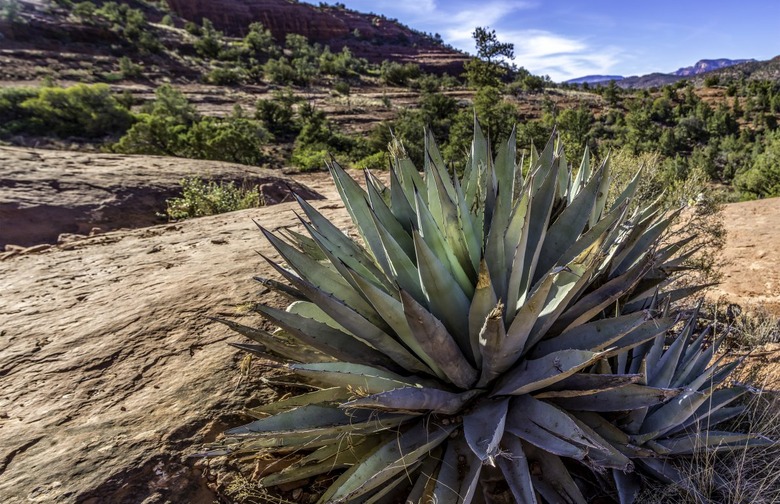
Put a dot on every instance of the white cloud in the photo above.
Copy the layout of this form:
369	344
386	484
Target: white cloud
560	57
540	51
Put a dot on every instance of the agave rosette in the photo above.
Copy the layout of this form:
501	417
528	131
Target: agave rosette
491	332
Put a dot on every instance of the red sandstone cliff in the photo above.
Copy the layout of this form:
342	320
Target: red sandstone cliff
368	36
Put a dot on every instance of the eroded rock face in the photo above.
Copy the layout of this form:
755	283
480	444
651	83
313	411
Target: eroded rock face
112	372
46	193
368	36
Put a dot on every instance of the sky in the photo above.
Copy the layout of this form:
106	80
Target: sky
566	39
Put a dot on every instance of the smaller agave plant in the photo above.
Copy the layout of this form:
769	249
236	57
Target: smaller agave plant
494	336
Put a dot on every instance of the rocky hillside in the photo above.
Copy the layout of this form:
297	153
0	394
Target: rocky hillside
370	36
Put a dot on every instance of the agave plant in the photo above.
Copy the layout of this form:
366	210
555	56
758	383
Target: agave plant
489	334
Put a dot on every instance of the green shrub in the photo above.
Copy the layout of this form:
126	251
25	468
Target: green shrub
233	139
762	179
209	197
170	126
309	158
278	114
128	69
225	76
397	74
342	88
85	111
84	10
376	161
279	71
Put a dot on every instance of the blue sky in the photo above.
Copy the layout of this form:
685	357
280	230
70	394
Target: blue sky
570	38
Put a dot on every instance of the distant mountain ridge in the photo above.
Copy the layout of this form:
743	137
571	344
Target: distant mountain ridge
658	78
708	65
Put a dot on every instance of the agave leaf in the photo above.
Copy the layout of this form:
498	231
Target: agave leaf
566	286
291	293
275	343
340	457
495	256
566	229
340	245
631	255
392	310
324	338
388	220
400	205
535	374
435	240
604	227
505	169
661	374
591	304
671	414
436	341
414	399
423	485
483	428
356	202
629	485
593	336
322	277
471	233
311	420
450	226
400	266
514	466
515	242
553	481
260	351
601	197
410	178
628	193
718	400
629	397
433	156
492	338
357	376
523	322
329	397
481	305
390	493
536	225
458	475
386	461
303	242
647	331
668	473
711	441
585	384
356	324
673	296
582	177
709	419
444	296
549	428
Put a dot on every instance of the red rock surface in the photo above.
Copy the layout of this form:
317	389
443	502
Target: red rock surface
379	38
